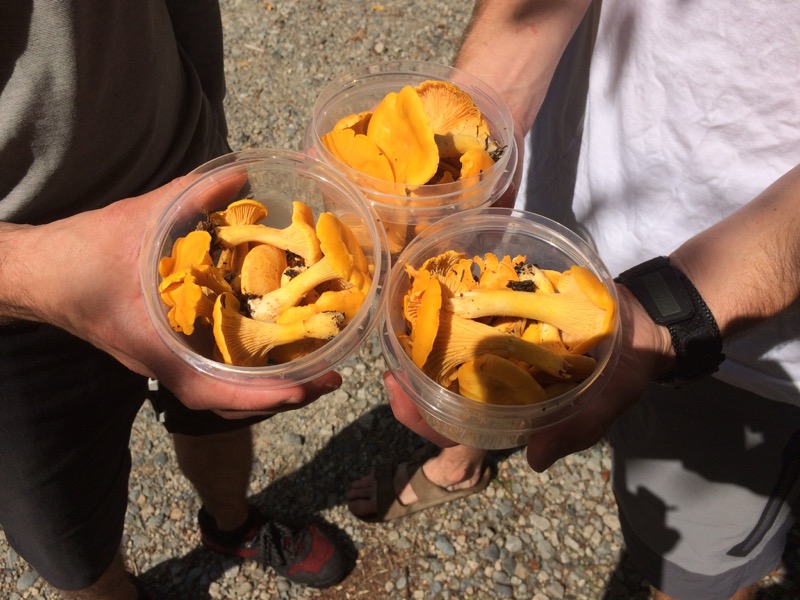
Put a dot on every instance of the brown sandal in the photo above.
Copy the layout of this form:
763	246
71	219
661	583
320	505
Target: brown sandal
428	493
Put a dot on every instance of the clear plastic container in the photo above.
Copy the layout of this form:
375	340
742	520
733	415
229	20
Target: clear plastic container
407	210
276	178
503	232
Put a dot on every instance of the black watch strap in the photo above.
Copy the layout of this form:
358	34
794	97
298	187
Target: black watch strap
672	301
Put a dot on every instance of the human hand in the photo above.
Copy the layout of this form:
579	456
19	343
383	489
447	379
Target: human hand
406	412
645	352
82	274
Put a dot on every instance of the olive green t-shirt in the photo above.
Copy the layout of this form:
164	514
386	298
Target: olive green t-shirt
104	100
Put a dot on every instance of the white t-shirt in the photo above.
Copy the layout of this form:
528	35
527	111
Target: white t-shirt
693	108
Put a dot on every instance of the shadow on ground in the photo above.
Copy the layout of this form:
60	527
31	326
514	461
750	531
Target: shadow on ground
321	484
318	485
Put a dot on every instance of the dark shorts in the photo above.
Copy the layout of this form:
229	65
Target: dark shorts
67	412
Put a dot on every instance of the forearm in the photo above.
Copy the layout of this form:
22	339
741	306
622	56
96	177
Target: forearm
747	266
61	272
16	302
515	45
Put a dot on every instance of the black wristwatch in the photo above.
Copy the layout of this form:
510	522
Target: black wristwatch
672	301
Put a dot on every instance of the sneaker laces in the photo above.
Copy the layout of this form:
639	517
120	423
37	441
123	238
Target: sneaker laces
279	544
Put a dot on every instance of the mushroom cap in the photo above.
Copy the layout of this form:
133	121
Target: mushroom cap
401	129
452	269
262	269
303	221
240	212
442	263
496	380
581	282
359	152
412	298
426	326
495	273
474	162
334	247
191	249
187	300
455	119
353	244
190	294
342	251
358	122
205	276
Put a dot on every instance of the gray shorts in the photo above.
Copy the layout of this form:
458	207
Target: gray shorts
705	478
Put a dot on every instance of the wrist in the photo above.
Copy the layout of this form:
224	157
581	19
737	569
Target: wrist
644	336
14	262
672	302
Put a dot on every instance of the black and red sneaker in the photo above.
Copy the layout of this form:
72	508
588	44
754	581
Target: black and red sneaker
301	553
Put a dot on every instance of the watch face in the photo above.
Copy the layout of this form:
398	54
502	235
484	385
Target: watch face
671	300
669	307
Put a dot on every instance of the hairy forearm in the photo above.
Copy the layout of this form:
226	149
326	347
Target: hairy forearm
76	273
16	302
515	45
747	266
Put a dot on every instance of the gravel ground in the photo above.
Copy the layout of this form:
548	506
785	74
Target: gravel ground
538	536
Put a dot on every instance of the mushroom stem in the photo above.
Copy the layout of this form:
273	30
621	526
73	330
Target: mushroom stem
460	340
246	342
299	237
341	260
269	306
582	309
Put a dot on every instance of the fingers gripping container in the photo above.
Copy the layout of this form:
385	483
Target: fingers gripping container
502	232
275	178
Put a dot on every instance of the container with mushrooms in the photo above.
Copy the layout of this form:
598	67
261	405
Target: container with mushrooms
267	294
420	140
503	330
498	322
265	269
